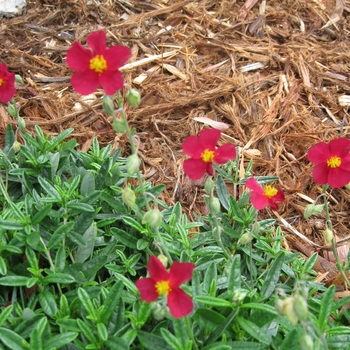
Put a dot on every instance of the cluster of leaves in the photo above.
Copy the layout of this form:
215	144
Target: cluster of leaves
71	252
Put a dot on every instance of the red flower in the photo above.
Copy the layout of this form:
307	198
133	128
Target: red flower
262	197
7	84
162	282
203	152
332	162
98	66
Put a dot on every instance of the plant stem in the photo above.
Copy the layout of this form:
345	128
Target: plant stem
190	333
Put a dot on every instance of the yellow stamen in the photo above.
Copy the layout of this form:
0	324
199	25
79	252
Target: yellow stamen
334	162
98	64
207	156
1	81
163	288
270	191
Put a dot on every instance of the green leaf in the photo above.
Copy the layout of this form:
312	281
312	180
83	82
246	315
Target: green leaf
48	303
125	238
59	340
213	301
59	138
41	214
82	207
309	264
36	340
48	188
87	186
102	331
59	234
5	313
210	275
11	225
290	341
12	340
208	319
234	277
86	301
84	252
326	307
3	266
111	301
218	346
9	140
144	313
221	190
152	342
339	342
14	281
272	276
253	330
58	277
257	306
171	339
134	224
88	331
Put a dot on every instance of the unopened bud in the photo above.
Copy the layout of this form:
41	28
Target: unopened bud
16	146
129	197
12	110
21	123
214	204
300	308
209	185
163	259
18	79
328	235
288	310
312	209
133	164
133	97
245	238
108	105
279	307
153	218
255	228
306	342
119	126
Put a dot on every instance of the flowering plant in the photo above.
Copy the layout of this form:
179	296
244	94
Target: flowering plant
7	84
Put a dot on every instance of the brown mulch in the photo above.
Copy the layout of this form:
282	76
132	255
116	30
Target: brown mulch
276	72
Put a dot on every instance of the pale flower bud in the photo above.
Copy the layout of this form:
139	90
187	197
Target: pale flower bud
328	235
163	259
133	164
300	308
108	105
18	79
288	310
209	185
119	126
214	204
133	97
21	122
306	342
245	238
153	218
129	197
16	146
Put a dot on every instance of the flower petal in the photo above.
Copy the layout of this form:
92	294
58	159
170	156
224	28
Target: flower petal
320	173
319	153
340	147
116	56
7	88
111	81
180	303
338	177
209	138
180	273
259	200
78	57
157	270
252	184
147	289
193	147
97	41
85	82
225	153
195	168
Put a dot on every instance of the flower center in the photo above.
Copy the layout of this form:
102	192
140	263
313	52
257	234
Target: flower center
98	64
163	288
1	81
270	191
207	156
334	162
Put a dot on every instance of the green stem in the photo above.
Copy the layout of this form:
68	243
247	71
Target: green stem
190	333
333	242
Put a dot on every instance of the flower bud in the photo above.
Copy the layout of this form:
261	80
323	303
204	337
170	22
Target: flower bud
306	342
328	235
300	308
153	218
288	310
12	110
21	122
16	146
133	164
255	229
108	105
133	97
18	79
119	126
129	197
312	209
245	238
163	259
279	307
214	204
209	185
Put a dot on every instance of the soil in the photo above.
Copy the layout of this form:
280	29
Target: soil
275	72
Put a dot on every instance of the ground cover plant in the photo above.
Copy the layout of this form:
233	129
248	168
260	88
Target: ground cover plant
92	258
